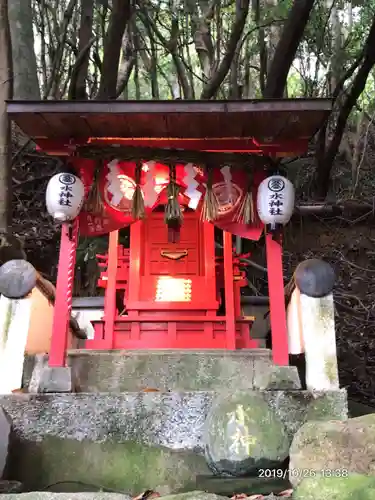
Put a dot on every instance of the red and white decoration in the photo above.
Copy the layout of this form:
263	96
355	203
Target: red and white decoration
117	185
64	197
192	185
230	187
275	201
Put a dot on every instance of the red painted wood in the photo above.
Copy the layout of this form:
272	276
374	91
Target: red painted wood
135	261
110	292
189	340
229	292
186	325
277	301
243	145
233	145
171	323
172	306
122	268
148	262
178	318
209	262
64	294
173	335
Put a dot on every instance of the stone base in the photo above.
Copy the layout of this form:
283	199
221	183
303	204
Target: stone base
132	441
55	379
228	487
171	370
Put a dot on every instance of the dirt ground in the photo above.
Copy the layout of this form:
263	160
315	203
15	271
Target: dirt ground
350	248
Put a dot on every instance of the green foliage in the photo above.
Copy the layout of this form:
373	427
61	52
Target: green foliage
171	40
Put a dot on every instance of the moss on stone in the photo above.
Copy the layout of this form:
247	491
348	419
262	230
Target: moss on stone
48	495
130	467
330	368
335	446
326	406
278	378
195	495
354	487
7	322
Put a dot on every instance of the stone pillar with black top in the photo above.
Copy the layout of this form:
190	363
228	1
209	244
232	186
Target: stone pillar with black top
314	281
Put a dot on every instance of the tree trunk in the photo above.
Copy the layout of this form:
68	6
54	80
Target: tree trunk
6	90
327	156
336	63
78	87
120	16
261	45
274	33
129	55
25	83
212	87
171	46
287	47
201	33
52	90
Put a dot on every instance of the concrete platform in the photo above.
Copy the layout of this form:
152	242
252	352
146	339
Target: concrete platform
132	441
171	370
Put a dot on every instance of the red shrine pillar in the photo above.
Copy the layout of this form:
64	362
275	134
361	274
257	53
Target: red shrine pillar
64	294
110	292
274	252
230	321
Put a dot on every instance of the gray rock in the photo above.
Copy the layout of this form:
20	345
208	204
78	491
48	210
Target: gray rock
47	495
195	495
5	432
334	448
32	371
279	378
243	434
354	487
56	379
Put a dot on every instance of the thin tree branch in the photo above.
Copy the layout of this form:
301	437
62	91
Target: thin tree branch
211	88
60	48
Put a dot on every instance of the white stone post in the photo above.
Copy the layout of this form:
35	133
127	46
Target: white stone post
311	324
14	329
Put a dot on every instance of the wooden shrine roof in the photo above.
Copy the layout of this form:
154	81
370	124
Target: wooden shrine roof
265	121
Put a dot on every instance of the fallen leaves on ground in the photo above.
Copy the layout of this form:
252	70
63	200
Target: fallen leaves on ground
147	495
243	496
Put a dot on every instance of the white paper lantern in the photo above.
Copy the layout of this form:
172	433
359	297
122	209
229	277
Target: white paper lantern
64	196
275	200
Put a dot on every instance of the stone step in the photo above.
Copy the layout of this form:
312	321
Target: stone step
138	441
229	486
172	370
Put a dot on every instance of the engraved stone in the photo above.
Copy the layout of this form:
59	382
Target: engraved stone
243	435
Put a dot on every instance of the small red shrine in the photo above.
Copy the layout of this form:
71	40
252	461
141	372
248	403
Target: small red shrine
155	154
